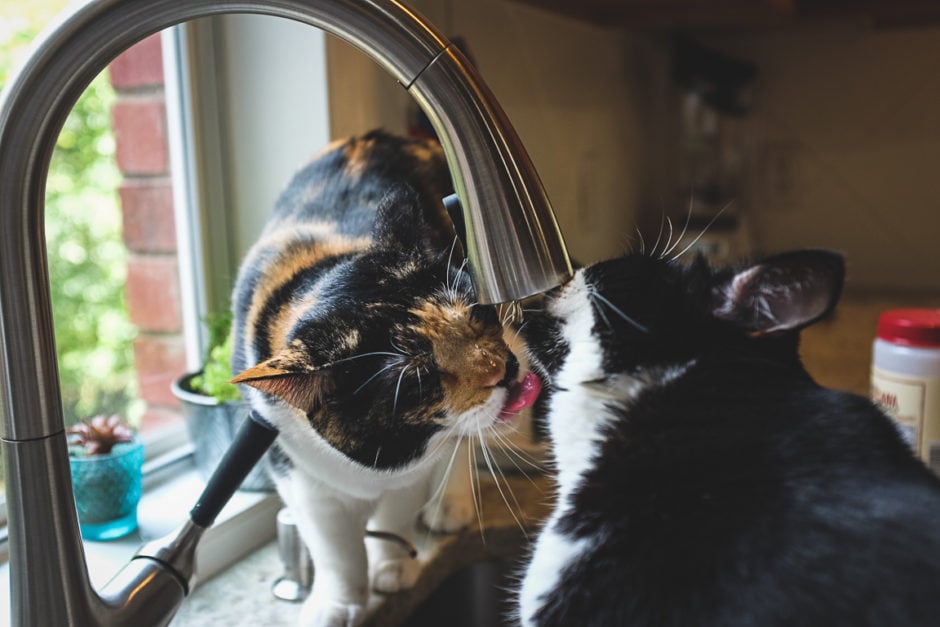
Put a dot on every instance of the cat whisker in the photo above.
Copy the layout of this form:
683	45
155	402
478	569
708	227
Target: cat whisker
453	288
599	309
514	451
401	351
516	308
510	312
398	389
344	359
704	230
688	218
450	257
496	473
518	330
662	223
620	313
370	379
447	470
444	477
449	432
668	238
474	487
504	313
642	241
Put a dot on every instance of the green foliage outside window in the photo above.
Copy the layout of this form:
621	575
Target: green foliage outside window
87	257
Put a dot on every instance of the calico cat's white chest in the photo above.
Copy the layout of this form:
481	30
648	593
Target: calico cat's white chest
315	460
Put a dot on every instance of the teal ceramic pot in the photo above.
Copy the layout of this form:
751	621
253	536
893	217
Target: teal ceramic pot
107	490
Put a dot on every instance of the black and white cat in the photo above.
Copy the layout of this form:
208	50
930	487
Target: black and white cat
704	478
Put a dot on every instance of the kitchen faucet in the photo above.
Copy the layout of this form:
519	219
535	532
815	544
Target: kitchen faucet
513	243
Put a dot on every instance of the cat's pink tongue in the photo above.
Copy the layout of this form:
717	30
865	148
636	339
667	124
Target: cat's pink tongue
522	394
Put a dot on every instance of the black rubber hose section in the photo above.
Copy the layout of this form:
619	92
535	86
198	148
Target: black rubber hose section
250	443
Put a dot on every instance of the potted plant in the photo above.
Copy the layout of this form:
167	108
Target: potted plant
106	458
213	408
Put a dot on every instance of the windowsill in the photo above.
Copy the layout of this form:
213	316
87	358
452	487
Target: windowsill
241	548
246	523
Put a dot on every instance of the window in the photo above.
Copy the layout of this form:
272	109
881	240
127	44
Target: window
165	246
87	258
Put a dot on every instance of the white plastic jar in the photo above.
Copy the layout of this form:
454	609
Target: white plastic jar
905	377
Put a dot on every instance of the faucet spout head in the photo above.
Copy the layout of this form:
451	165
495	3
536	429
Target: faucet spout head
514	245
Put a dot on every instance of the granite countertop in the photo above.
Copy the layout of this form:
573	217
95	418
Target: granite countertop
242	595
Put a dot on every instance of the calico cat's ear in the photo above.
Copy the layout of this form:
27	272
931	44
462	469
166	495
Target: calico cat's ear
399	221
291	379
785	292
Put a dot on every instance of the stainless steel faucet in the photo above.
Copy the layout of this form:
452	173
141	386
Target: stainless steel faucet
513	243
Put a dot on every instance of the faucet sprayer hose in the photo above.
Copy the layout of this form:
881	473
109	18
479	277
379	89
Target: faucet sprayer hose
252	440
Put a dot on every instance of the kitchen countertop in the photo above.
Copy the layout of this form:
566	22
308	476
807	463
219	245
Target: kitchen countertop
837	351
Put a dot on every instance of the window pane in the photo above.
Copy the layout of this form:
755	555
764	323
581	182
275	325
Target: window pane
110	237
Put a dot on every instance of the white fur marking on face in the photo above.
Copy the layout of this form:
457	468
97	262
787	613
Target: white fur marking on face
576	418
579	414
576	421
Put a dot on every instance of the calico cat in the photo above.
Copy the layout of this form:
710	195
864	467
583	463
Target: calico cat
358	337
704	478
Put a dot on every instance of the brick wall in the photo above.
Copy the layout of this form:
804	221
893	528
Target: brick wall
153	292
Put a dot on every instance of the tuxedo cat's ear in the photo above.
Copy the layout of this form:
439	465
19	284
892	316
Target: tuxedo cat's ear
785	292
291	379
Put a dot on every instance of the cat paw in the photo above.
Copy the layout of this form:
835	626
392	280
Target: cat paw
448	515
395	575
330	615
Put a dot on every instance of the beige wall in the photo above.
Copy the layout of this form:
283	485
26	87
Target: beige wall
570	90
844	143
847	138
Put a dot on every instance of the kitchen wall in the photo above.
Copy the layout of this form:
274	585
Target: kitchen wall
575	93
842	146
846	139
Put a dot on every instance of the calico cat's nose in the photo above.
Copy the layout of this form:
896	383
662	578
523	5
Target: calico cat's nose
512	370
495	374
496	370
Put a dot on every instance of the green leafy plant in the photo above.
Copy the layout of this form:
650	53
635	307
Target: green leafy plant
217	370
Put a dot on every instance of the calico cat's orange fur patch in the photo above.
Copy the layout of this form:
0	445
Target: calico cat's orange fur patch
357	156
296	256
471	356
426	152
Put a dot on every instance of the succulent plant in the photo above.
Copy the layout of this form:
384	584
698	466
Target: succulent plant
98	435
